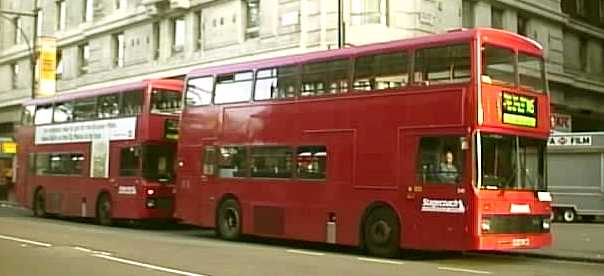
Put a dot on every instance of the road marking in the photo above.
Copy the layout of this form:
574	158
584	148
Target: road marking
25	241
150	266
381	261
464	270
84	249
304	252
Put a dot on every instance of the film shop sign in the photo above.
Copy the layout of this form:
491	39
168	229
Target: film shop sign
115	129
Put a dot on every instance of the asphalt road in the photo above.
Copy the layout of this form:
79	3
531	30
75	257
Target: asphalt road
32	246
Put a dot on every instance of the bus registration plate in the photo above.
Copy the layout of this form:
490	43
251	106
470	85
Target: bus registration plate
520	242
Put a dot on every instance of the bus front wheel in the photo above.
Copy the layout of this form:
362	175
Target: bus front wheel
39	206
381	233
229	220
103	210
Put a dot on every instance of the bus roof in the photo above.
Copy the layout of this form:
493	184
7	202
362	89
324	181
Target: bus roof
133	86
513	39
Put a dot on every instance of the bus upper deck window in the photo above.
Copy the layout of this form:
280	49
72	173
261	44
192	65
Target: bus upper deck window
498	66
132	103
443	64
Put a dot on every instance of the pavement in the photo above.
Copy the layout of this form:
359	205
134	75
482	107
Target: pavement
582	242
572	242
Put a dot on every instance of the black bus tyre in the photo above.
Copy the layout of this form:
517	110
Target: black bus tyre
381	233
569	215
229	220
39	204
103	210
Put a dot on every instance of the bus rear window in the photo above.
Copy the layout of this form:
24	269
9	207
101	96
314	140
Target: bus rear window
165	101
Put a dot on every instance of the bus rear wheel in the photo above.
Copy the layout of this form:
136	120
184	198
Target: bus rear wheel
381	233
103	210
39	206
229	220
569	215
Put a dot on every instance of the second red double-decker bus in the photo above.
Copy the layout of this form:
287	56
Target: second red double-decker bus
432	143
104	153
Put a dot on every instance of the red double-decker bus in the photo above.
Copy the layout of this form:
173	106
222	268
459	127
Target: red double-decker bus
433	143
104	153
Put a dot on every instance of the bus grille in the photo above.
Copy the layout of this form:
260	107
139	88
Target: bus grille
516	224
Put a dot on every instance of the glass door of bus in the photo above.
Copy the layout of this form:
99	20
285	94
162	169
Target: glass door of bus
440	199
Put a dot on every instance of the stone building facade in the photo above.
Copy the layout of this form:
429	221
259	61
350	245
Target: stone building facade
102	42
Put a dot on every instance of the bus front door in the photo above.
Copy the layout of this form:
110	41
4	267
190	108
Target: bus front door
440	199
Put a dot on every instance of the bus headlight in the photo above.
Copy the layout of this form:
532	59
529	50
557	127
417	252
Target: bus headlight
546	224
485	225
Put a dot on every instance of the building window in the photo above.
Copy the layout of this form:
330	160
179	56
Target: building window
368	12
15	75
84	57
583	56
467	16
601	11
252	18
496	18
178	34
88	10
121	4
199	30
59	64
580	7
522	25
119	49
156	40
40	21
18	29
61	15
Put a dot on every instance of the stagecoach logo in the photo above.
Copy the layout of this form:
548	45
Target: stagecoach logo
443	205
126	190
115	129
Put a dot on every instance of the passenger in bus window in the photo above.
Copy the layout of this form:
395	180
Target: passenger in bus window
448	171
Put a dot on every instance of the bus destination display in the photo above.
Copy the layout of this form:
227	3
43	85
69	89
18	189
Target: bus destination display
519	110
